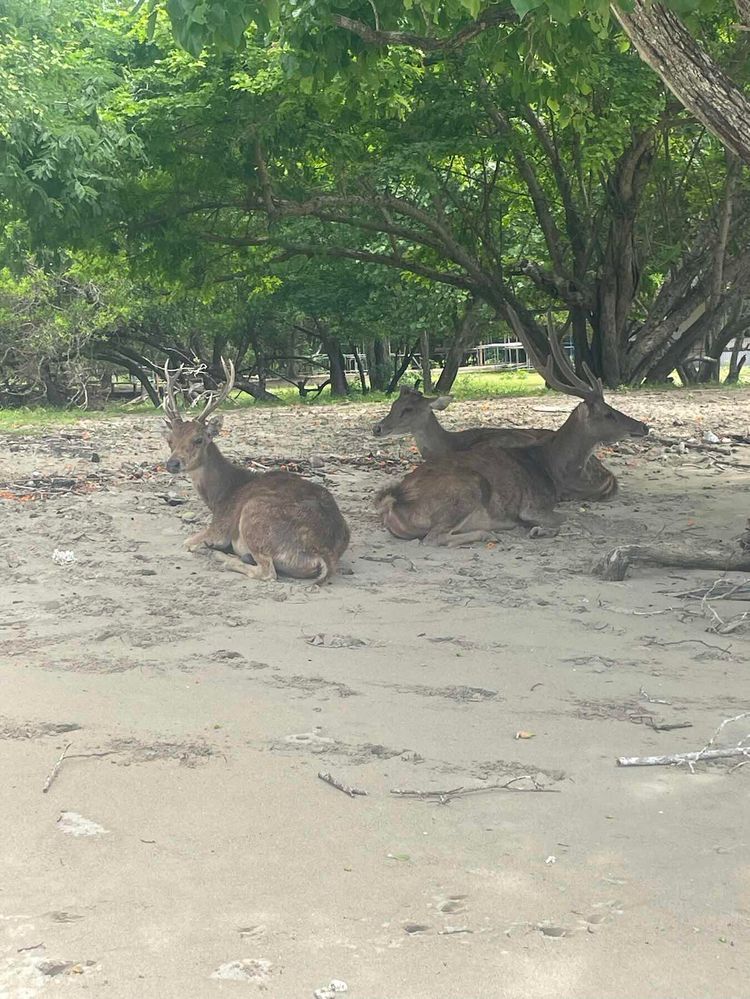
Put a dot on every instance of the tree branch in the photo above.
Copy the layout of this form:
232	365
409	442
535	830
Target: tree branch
375	36
538	197
698	82
574	223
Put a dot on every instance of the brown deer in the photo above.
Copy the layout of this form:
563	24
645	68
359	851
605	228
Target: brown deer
468	495
275	522
414	413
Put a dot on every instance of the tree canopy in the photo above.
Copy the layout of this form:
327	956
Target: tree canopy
301	181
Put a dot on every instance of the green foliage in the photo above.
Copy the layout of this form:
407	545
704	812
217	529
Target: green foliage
310	25
62	147
222	198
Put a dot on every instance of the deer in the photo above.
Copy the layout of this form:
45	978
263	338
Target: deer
467	496
414	413
262	524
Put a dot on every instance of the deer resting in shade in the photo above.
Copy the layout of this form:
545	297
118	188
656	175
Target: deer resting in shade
467	495
271	523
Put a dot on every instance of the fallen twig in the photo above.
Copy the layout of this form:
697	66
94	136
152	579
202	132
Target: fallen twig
666	726
444	797
731	591
651	700
688	641
615	564
390	560
55	770
353	792
73	756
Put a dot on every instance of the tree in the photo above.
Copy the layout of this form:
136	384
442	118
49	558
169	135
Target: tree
443	26
62	145
559	191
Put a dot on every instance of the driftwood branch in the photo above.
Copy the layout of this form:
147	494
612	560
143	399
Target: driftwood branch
73	756
615	564
54	771
353	792
665	761
707	753
444	797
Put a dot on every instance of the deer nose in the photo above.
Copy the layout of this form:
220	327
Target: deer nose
377	430
173	465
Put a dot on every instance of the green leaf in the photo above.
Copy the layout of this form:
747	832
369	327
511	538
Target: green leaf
522	7
473	6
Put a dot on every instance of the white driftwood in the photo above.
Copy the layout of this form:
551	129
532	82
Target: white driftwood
696	757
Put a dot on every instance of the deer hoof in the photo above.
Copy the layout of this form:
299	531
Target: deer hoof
543	532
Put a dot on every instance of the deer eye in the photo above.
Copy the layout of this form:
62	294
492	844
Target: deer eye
197	440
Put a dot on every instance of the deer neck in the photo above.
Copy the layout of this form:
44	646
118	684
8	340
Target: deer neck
566	453
217	478
432	438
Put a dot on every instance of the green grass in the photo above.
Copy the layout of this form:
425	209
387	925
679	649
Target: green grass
479	385
482	385
34	419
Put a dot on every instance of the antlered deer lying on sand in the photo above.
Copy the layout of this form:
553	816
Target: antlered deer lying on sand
414	413
275	522
467	495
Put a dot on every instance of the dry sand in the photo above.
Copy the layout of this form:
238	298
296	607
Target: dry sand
193	852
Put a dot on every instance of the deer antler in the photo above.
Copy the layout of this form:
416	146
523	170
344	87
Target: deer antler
573	385
568	382
216	400
169	403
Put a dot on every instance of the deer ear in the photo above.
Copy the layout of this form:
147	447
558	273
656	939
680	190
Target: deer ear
442	402
213	427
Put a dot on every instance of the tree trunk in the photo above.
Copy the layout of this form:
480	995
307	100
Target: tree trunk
424	346
291	367
617	283
464	334
377	364
257	390
337	368
399	369
360	368
581	348
665	44
261	366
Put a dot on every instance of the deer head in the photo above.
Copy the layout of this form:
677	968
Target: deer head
410	412
189	440
594	419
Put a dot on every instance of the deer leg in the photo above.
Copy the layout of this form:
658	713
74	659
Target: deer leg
477	526
540	518
208	537
262	569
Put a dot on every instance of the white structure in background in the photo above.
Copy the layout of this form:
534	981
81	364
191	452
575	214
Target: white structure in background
505	355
